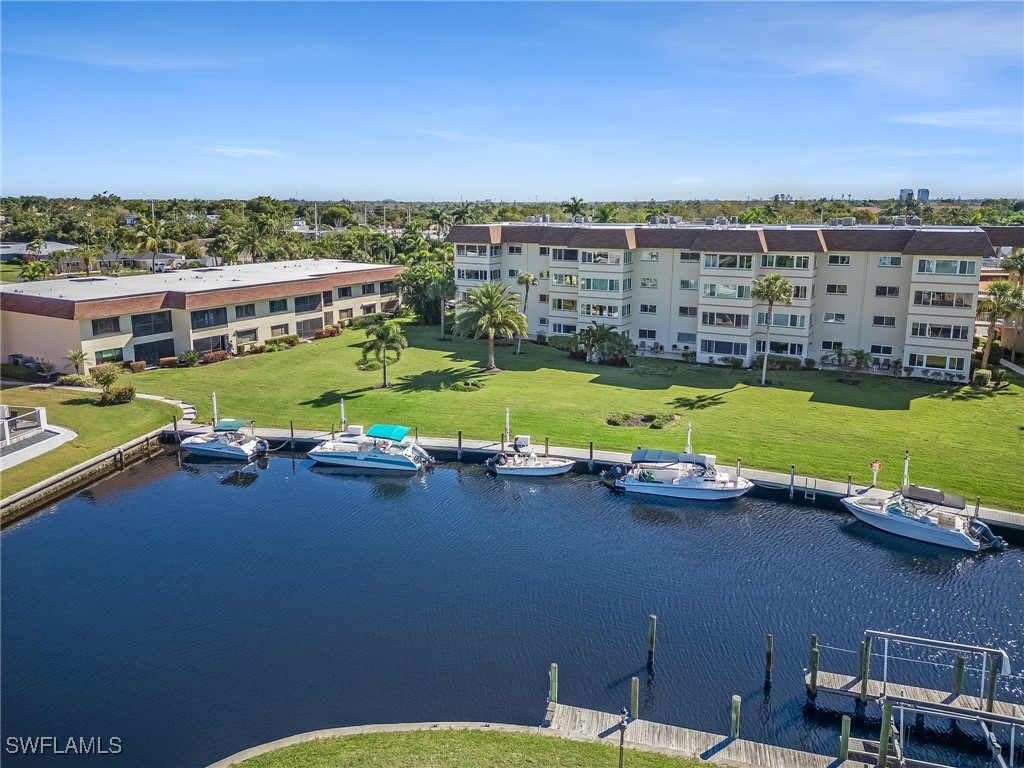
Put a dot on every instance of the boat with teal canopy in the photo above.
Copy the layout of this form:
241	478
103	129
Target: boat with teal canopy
388	432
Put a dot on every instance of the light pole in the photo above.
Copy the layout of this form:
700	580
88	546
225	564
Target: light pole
623	715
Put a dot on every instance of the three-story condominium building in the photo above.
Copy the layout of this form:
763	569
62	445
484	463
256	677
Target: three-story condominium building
148	317
905	294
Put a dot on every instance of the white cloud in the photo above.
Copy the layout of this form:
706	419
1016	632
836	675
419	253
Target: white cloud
992	119
241	151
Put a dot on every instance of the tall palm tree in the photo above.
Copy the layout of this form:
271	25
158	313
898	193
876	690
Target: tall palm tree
1014	264
1003	300
385	339
151	235
525	279
463	213
491	310
597	340
440	218
773	289
604	213
253	240
575	206
89	255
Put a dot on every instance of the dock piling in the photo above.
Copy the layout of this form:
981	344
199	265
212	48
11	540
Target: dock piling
865	669
844	739
769	653
417	439
883	739
634	698
332	430
590	465
812	685
739	467
460	446
553	684
792	479
734	724
652	634
177	438
977	505
547	446
291	443
990	682
849	485
958	674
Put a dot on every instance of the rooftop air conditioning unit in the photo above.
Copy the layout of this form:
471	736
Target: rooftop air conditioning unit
677	219
915	221
531	219
734	219
547	218
709	222
652	219
722	220
588	219
849	221
900	221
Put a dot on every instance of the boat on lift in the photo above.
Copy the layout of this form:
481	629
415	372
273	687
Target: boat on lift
383	447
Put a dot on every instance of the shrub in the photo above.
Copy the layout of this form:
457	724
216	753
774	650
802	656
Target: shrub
105	375
469	385
188	358
167	362
564	343
578	354
616	419
810	363
542	338
74	380
215	356
292	341
733	362
19	372
370	365
367	320
997	376
982	377
777	363
138	366
321	334
664	420
117	395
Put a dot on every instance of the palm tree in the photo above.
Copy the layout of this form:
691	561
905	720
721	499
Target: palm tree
525	279
1003	300
491	310
1014	264
77	358
440	218
604	213
150	235
254	241
463	213
773	289
90	255
597	340
385	338
575	206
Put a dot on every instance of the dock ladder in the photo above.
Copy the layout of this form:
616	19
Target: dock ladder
810	491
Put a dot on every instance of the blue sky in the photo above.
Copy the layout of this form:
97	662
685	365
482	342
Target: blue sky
512	101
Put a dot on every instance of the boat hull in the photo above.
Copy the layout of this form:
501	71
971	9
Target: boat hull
697	493
548	470
365	460
213	450
909	529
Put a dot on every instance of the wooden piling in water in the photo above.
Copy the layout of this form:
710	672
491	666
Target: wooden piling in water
769	653
865	669
958	674
739	466
634	698
883	738
547	446
177	439
844	739
734	724
990	682
291	443
553	683
849	485
590	465
812	686
459	455
792	479
652	635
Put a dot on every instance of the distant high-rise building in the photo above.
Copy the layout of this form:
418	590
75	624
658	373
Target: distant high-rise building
922	195
905	193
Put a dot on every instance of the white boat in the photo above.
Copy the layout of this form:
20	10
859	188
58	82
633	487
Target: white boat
653	472
226	442
925	514
523	461
383	447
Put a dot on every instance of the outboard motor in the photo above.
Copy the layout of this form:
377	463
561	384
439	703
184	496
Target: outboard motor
422	454
983	532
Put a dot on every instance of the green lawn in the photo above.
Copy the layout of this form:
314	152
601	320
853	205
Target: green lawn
99	429
962	440
457	749
9	273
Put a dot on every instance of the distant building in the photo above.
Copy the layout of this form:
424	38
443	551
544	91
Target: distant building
130	220
923	195
905	193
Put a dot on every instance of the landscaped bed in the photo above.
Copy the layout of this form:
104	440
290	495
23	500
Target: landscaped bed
962	439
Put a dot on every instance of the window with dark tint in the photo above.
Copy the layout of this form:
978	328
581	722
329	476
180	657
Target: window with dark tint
245	310
307	303
106	325
152	351
109	356
150	324
328	299
246	337
345	292
344	314
279	330
278	305
369	309
388	286
210	344
368	288
209	318
306	328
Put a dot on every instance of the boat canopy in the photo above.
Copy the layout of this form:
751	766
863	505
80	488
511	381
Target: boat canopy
232	425
656	456
388	432
933	496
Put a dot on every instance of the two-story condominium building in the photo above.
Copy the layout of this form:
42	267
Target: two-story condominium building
904	294
148	317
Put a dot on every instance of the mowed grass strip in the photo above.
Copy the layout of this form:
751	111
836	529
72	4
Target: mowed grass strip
962	440
457	749
99	429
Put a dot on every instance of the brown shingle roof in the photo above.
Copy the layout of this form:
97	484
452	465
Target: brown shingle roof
885	240
651	237
730	241
924	243
474	234
1005	237
798	240
518	233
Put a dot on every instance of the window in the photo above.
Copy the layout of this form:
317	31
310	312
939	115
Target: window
728	261
542	298
568	280
711	346
887	291
511	273
495	275
720	291
626	309
648	309
306	328
946	267
935	361
248	336
281	330
209	318
790	348
150	324
686	338
106	325
627	257
368	309
368	289
387	286
471	274
886	321
344	292
328	319
563	305
542	321
838	260
944	299
545	251
881	349
833	346
345	314
598	284
328	299
307	303
599	310
515	250
110	356
799	291
648	282
151	351
649	256
933	331
890	261
785	261
564	254
279	305
563	328
598	257
210	344
689	256
687	311
471	250
627	284
836	288
782	320
245	310
543	275
834	317
725	319
687	285
646	333
495	250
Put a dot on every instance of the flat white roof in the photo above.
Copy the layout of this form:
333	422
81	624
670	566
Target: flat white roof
188	280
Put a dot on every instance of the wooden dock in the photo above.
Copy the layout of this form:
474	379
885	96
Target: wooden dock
590	725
